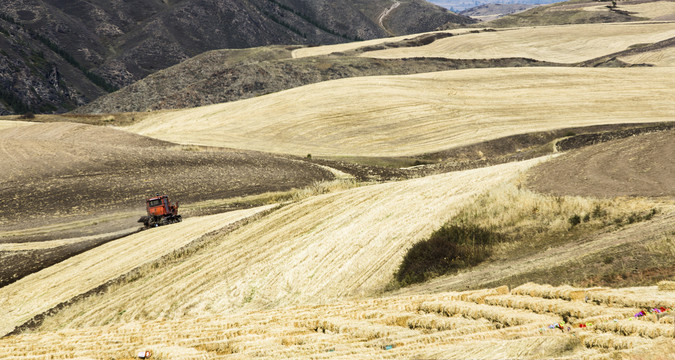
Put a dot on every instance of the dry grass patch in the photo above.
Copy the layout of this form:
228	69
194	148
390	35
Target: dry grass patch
563	44
408	115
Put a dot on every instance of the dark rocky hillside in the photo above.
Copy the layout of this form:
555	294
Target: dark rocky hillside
100	45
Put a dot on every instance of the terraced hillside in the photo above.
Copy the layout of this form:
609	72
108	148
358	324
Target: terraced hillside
406	115
231	75
528	322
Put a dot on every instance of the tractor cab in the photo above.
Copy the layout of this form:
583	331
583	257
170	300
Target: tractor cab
160	212
158	206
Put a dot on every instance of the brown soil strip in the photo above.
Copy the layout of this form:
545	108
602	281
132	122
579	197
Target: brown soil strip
640	165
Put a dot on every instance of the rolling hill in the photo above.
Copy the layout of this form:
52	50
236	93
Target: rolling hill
416	114
587	12
563	44
230	75
328	247
302	206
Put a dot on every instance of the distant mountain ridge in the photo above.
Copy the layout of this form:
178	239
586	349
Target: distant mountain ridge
98	45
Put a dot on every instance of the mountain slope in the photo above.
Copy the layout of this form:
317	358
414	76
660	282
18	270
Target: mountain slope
123	41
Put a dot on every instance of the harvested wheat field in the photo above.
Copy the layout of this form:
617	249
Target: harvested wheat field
338	48
528	322
653	10
562	44
8	124
92	180
640	165
663	57
57	284
407	115
333	246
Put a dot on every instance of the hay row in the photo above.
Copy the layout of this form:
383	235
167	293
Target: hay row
640	299
479	296
611	341
666	285
501	315
562	308
634	327
564	292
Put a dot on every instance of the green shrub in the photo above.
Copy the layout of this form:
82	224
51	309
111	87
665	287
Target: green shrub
599	212
574	220
450	248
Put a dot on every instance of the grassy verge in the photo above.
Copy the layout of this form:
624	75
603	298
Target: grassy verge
511	222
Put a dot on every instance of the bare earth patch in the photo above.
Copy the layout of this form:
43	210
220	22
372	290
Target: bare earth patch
641	165
93	180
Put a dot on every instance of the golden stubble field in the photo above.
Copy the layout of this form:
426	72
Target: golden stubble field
527	322
407	115
334	246
563	43
41	291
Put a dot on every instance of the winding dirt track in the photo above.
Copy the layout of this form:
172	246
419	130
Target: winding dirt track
386	12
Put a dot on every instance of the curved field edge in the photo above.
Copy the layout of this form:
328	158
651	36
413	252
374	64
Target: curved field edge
41	291
561	44
416	114
328	247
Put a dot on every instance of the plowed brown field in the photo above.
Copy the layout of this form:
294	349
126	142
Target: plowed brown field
61	180
641	165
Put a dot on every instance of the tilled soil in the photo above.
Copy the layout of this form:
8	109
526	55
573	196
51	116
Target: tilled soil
63	172
640	165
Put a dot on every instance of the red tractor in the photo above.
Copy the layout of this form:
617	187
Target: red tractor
160	212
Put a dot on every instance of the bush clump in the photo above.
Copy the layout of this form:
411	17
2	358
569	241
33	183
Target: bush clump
450	248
